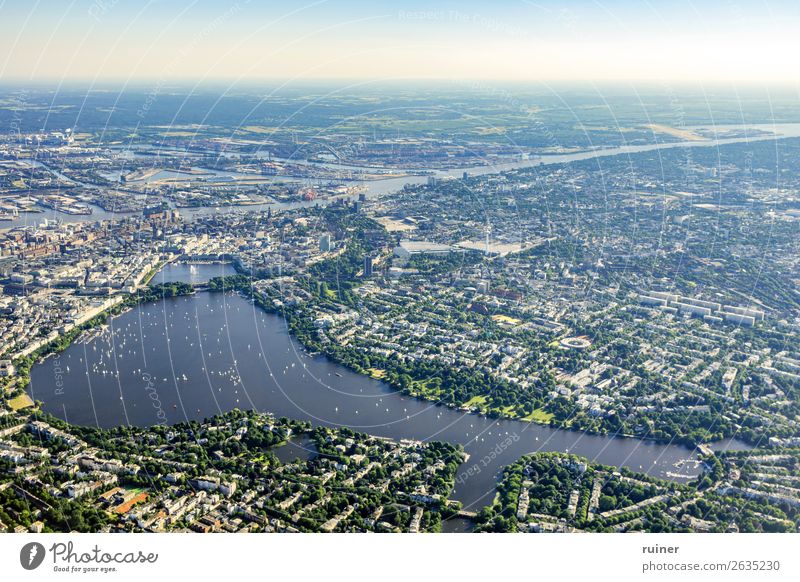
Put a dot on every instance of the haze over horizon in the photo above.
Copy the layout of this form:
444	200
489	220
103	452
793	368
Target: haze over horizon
444	40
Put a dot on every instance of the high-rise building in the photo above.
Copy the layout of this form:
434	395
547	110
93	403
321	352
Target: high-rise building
367	266
325	243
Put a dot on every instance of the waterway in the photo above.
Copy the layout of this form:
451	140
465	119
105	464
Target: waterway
377	188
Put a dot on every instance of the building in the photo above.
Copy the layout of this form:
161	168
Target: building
408	248
709	310
325	243
6	368
367	266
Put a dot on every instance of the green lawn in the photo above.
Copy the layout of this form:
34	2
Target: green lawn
539	416
509	411
422	389
20	402
479	401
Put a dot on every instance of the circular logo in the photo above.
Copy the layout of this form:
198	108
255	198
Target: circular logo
31	555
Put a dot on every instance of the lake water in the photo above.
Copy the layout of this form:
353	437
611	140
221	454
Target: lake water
194	273
301	447
193	357
457	525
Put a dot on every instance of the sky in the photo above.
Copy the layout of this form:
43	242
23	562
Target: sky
515	40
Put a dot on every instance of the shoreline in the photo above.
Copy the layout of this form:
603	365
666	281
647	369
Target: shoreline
124	307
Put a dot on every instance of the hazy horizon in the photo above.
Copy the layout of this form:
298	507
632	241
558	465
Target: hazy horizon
509	41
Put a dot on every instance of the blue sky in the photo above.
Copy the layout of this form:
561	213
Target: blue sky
442	39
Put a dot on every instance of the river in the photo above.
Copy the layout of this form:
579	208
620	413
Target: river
377	188
211	352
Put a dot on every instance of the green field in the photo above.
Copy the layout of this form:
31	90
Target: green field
479	401
539	416
20	402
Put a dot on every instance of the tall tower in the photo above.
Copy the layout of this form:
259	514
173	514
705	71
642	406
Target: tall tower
325	243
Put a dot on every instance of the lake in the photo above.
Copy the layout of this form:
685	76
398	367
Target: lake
192	357
194	273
